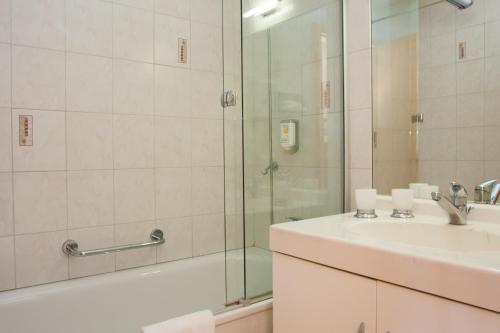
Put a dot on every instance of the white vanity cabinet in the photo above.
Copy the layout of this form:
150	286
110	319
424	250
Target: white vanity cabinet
308	297
408	311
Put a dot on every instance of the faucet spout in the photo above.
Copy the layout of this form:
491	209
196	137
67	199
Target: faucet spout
455	205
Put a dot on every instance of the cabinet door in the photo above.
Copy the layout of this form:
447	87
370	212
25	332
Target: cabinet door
401	310
308	297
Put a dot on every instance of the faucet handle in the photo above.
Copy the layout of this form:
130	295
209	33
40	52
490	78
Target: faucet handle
457	190
458	194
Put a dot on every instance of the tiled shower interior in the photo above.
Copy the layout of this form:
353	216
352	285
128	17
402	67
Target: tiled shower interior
125	138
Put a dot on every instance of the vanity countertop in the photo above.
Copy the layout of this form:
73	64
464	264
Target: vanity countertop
424	253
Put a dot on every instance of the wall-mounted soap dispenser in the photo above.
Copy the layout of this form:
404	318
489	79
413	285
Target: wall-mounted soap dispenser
289	135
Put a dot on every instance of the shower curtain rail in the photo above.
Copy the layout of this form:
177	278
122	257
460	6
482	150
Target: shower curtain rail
70	247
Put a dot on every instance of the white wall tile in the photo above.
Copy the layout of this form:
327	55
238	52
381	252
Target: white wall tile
358	20
173	96
38	78
173	192
133	31
179	239
444	144
39	23
470	144
443	49
444	80
172	142
207	190
491	103
492	151
7	265
206	46
92	238
492	73
48	151
177	8
89	140
5	72
207	142
90	198
361	139
492	42
206	88
89	25
6	204
133	90
5	21
470	173
5	140
492	8
208	234
207	11
134	233
134	195
146	4
444	112
39	258
360	80
168	30
89	83
470	110
133	142
40	202
470	76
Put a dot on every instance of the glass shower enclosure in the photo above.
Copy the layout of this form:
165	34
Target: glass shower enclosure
284	158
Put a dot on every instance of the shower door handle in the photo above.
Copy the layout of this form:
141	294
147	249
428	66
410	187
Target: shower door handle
271	167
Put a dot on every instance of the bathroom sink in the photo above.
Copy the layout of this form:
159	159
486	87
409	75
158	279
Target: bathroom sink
433	235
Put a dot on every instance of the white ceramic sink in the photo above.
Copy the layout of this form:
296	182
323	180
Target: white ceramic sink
424	253
434	235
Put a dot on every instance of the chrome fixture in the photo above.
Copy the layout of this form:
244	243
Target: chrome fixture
455	205
461	4
488	192
70	247
272	167
365	214
402	214
228	98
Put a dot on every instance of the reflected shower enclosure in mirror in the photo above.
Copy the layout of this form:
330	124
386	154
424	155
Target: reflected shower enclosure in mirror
436	93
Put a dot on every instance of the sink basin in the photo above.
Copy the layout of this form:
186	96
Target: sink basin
439	236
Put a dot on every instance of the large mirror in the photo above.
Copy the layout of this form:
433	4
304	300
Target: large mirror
436	94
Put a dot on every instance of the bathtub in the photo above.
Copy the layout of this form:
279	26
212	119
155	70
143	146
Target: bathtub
125	301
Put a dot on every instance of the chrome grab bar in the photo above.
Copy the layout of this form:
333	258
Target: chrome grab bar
70	247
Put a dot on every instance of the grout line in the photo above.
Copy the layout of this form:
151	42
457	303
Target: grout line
66	125
113	81
12	149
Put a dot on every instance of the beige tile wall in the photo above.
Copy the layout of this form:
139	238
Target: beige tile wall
126	139
359	97
460	103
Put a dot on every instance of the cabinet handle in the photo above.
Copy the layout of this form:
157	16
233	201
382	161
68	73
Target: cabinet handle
361	328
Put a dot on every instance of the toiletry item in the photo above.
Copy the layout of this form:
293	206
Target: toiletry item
402	203
419	189
366	200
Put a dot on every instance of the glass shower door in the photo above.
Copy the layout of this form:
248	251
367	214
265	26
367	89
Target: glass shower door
292	121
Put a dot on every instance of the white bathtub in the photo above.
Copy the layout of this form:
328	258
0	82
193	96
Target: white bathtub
125	301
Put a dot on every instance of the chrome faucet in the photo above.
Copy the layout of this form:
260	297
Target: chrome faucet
455	205
488	192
